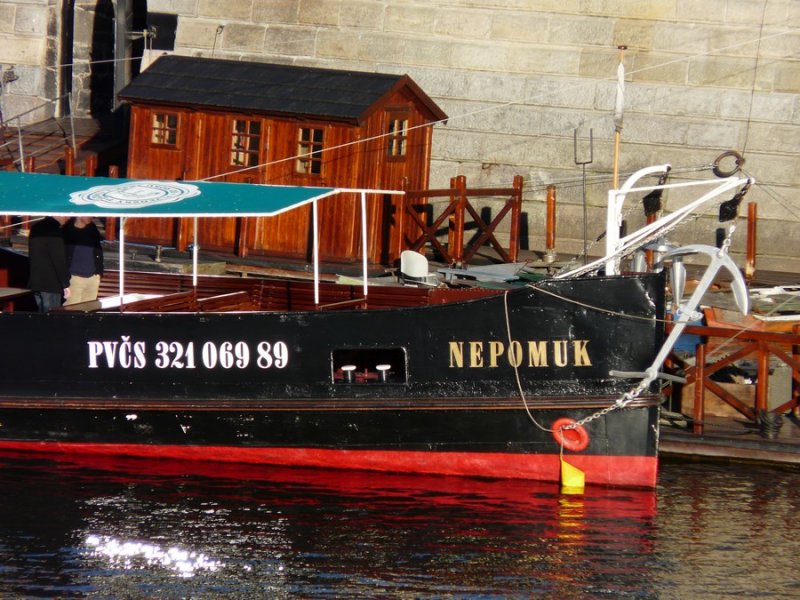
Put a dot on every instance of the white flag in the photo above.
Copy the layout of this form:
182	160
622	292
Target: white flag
620	103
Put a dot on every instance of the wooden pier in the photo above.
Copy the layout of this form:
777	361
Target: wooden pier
710	420
732	439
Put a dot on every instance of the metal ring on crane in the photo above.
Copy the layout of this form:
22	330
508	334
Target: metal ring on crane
739	163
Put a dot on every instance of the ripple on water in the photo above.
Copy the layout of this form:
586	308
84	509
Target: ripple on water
144	528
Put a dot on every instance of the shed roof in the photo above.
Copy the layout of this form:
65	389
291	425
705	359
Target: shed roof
269	88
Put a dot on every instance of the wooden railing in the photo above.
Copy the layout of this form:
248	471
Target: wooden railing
459	205
732	344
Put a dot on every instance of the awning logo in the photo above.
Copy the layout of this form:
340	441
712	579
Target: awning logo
135	194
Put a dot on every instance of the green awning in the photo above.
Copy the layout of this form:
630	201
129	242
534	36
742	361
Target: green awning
39	194
34	194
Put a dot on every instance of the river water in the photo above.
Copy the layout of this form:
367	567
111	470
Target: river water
154	529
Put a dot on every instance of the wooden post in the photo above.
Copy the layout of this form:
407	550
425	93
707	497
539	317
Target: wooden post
451	228
699	414
649	254
30	167
111	222
242	242
550	226
762	385
91	164
750	264
457	219
400	217
795	384
516	215
69	161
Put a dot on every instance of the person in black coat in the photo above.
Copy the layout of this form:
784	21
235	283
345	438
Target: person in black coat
84	259
48	276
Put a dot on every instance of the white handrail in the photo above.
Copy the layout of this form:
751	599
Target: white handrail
617	246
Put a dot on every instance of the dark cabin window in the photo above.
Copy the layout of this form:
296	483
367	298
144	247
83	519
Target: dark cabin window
309	151
165	25
165	129
245	143
398	137
359	366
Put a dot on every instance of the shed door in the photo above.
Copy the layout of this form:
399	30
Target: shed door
157	150
242	141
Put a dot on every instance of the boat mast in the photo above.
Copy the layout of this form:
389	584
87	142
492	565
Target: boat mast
618	109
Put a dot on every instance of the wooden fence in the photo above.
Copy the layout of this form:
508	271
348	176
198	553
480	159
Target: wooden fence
459	205
711	356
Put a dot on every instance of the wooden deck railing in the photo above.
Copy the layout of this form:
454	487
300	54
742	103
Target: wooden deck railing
86	166
459	205
739	343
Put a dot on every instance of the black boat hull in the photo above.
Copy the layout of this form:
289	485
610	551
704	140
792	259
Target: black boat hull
485	443
469	388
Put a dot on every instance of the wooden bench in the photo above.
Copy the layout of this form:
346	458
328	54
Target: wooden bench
168	283
278	294
186	301
177	302
142	282
233	301
8	295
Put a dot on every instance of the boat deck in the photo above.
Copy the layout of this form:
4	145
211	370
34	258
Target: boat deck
45	142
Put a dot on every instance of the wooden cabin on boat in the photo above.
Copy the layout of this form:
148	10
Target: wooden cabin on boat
220	120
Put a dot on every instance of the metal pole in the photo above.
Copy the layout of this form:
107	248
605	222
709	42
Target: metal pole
583	164
195	253
315	251
618	128
72	122
21	147
364	238
121	261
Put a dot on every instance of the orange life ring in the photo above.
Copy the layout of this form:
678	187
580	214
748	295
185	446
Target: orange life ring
575	439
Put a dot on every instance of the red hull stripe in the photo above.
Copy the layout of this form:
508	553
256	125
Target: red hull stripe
627	471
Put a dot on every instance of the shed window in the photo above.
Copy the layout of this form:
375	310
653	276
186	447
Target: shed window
165	129
309	151
398	137
245	143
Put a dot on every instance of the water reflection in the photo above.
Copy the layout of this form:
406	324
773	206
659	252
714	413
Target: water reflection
137	555
727	530
119	528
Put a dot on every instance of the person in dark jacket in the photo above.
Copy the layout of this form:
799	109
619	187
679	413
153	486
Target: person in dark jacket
48	277
84	259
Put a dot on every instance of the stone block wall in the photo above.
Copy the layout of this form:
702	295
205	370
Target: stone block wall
27	59
520	78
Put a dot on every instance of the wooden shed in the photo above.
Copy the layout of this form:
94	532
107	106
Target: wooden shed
199	118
